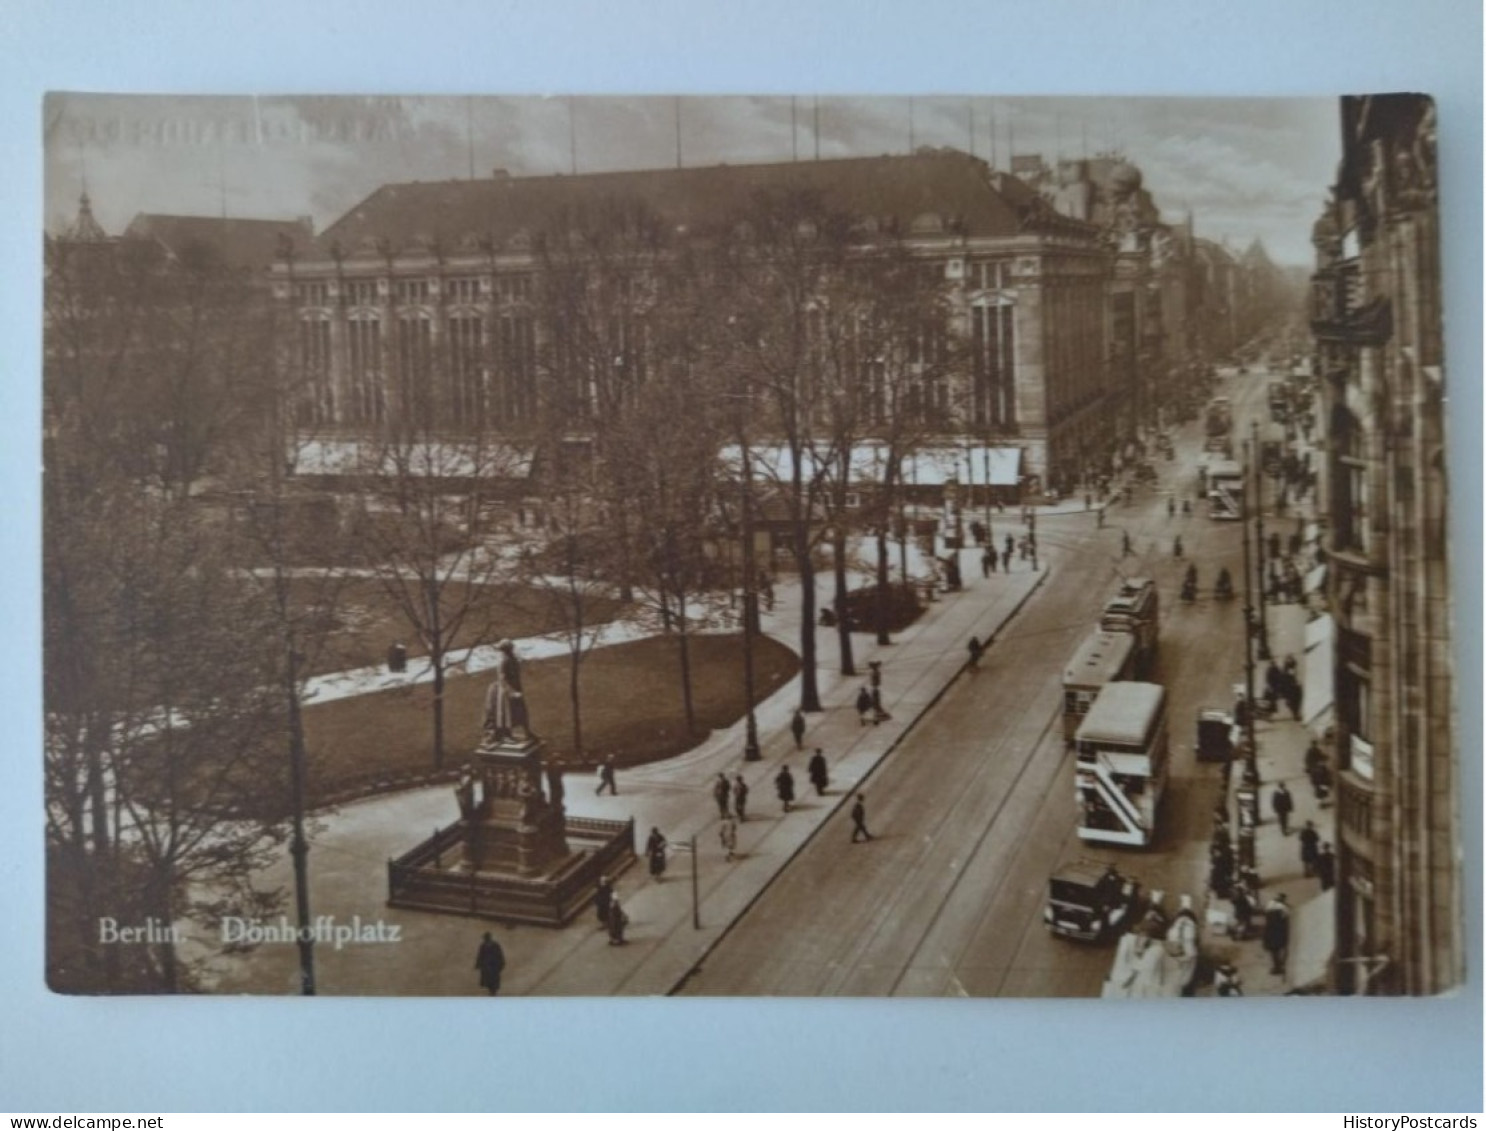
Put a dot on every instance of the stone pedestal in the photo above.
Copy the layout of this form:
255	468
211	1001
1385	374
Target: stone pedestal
515	827
513	855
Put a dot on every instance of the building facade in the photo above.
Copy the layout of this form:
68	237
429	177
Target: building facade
1377	325
437	290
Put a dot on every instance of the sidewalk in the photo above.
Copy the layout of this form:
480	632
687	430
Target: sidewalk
1282	743
350	851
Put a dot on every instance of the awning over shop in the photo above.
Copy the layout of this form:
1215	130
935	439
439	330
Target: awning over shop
1312	940
968	464
1320	663
435	459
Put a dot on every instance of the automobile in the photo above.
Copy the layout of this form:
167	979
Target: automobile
1089	901
1214	735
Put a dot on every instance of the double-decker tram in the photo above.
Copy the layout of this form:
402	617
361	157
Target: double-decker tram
1101	659
1225	489
1135	608
1120	771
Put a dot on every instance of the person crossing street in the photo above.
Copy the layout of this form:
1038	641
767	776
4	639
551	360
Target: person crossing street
859	820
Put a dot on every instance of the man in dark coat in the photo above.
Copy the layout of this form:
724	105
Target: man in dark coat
1326	867
1010	545
864	705
987	563
722	790
490	961
740	797
1277	933
819	774
797	728
976	650
1283	805
1310	843
859	820
784	785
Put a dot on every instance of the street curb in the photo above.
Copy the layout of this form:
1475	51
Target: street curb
908	728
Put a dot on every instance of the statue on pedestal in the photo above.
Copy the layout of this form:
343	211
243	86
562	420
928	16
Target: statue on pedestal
506	715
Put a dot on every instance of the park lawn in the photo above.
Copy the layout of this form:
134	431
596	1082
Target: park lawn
368	621
631	702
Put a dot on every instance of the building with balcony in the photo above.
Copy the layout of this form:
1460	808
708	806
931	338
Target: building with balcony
439	288
1376	320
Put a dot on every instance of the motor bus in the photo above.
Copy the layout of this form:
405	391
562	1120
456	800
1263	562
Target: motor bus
1121	751
1103	658
1135	609
1225	489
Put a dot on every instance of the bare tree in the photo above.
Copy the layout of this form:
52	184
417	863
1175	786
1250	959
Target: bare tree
156	715
436	476
779	257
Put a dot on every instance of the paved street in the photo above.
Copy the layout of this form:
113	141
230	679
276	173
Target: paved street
976	807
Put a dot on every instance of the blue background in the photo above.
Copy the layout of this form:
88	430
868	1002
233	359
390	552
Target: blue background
59	1054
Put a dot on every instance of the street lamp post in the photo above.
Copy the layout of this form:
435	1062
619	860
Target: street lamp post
1253	457
751	751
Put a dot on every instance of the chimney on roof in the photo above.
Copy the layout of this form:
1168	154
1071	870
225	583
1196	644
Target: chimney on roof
308	224
500	174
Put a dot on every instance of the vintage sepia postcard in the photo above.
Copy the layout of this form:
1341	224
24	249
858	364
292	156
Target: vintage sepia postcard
954	546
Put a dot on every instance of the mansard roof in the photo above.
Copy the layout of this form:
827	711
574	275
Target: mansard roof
928	192
251	245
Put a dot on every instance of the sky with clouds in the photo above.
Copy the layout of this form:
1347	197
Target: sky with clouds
1247	168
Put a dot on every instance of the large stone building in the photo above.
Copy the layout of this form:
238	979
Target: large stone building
450	272
1376	318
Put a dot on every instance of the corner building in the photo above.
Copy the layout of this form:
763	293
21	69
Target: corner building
1377	321
448	270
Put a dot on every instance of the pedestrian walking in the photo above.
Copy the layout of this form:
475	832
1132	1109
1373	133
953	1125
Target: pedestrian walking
490	960
1008	546
1277	932
784	786
727	835
1088	501
797	727
987	562
606	778
603	898
976	650
740	797
864	705
655	852
859	820
722	791
1176	547
1006	561
820	776
1294	698
1310	844
1283	805
874	669
1326	867
1126	549
1243	910
618	921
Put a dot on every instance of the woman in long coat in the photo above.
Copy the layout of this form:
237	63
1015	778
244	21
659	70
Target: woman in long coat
655	850
784	785
490	961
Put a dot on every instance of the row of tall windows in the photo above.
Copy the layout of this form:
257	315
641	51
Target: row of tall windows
460	289
484	382
993	396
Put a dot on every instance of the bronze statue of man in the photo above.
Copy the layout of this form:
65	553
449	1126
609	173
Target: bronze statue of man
505	704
